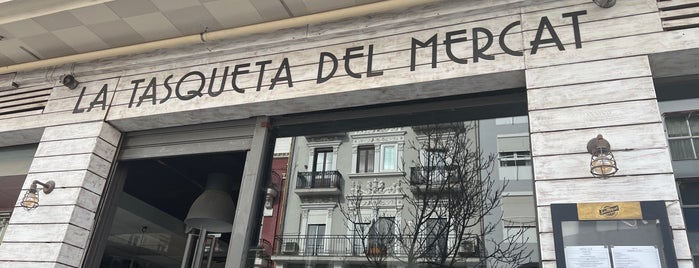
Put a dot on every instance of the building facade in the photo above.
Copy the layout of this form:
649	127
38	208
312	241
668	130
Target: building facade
132	139
376	171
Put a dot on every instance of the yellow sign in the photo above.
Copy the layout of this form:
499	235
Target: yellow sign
610	211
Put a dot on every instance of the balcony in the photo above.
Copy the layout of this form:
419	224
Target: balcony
318	183
289	247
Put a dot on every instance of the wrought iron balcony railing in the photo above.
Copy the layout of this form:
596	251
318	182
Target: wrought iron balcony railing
332	245
362	246
319	180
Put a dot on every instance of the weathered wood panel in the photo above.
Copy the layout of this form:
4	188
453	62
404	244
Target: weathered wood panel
17	264
544	222
635	188
599	30
634	162
588	72
644	136
76	146
85	130
681	23
69	196
547	247
46	233
39	252
22	114
674	214
595	116
594	93
664	4
54	214
71	162
679	237
79	178
620	47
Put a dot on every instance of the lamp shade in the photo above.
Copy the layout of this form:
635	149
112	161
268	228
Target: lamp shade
213	210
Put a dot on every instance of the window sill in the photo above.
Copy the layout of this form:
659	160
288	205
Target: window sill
376	174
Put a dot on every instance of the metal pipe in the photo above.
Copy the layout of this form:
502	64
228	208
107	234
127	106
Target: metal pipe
187	249
317	18
199	250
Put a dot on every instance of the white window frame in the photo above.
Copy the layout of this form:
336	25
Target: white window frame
690	137
380	139
383	155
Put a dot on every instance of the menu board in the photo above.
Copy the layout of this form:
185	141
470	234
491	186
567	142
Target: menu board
587	257
635	257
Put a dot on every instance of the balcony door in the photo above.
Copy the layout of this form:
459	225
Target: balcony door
314	239
322	162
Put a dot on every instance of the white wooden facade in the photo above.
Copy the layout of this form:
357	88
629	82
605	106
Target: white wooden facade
600	83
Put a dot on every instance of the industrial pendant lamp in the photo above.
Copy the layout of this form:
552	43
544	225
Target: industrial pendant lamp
211	213
602	163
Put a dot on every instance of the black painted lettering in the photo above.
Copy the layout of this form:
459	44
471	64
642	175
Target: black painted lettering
417	43
576	25
545	24
479	52
191	93
77	110
237	71
212	78
145	95
348	56
285	67
223	83
169	89
503	45
450	40
320	78
262	65
135	87
370	59
100	99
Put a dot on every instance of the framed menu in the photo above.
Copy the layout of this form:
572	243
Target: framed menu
635	257
587	257
613	235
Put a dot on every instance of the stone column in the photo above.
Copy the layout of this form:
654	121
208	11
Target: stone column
250	194
78	158
569	105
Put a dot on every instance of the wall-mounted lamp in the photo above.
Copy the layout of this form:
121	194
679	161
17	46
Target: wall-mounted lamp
31	198
605	3
602	163
69	81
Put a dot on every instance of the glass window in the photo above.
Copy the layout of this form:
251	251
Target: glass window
314	239
389	157
436	237
518	218
323	159
365	159
683	135
690	209
515	165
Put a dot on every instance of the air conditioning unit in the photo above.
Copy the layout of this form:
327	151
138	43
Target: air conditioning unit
468	248
290	248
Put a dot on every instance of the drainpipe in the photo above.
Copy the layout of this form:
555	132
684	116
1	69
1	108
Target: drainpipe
323	17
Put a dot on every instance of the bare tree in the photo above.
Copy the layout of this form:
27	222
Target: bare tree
448	195
368	239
